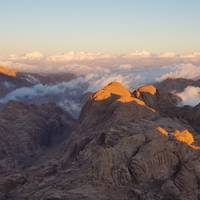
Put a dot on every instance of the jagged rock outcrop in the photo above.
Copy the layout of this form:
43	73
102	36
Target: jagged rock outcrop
125	147
161	100
133	154
114	104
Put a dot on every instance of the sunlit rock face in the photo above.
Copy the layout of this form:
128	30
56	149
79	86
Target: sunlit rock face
114	103
146	157
162	131
150	89
8	72
125	146
184	136
160	100
116	89
113	88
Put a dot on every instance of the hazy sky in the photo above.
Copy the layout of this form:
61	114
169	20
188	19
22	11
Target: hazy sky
114	26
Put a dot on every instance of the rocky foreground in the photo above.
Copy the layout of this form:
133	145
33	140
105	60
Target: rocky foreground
125	146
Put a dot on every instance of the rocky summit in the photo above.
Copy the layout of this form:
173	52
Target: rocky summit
126	145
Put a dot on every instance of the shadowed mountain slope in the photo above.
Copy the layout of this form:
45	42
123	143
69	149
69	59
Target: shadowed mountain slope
125	146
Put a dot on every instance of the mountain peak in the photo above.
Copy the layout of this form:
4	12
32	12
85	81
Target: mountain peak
7	71
113	88
116	89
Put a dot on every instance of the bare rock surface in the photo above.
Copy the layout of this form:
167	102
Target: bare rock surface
125	146
26	130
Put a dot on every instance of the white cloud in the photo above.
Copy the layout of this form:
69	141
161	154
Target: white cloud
33	56
168	55
190	96
88	61
66	94
95	70
138	54
192	55
188	71
40	90
78	56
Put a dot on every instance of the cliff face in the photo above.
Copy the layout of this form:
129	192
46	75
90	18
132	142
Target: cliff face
131	146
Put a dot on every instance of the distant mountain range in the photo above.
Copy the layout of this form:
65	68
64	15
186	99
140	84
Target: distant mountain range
34	88
11	80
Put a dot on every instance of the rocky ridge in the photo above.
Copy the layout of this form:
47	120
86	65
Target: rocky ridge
130	146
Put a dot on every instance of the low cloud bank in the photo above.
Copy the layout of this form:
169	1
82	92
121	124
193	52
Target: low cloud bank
66	94
188	71
85	62
95	70
190	96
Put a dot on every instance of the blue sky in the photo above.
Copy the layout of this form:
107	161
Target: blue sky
114	26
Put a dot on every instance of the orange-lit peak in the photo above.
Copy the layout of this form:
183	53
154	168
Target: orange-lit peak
146	89
114	88
124	96
8	72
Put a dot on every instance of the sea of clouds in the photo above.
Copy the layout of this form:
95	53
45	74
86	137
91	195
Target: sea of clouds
95	70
